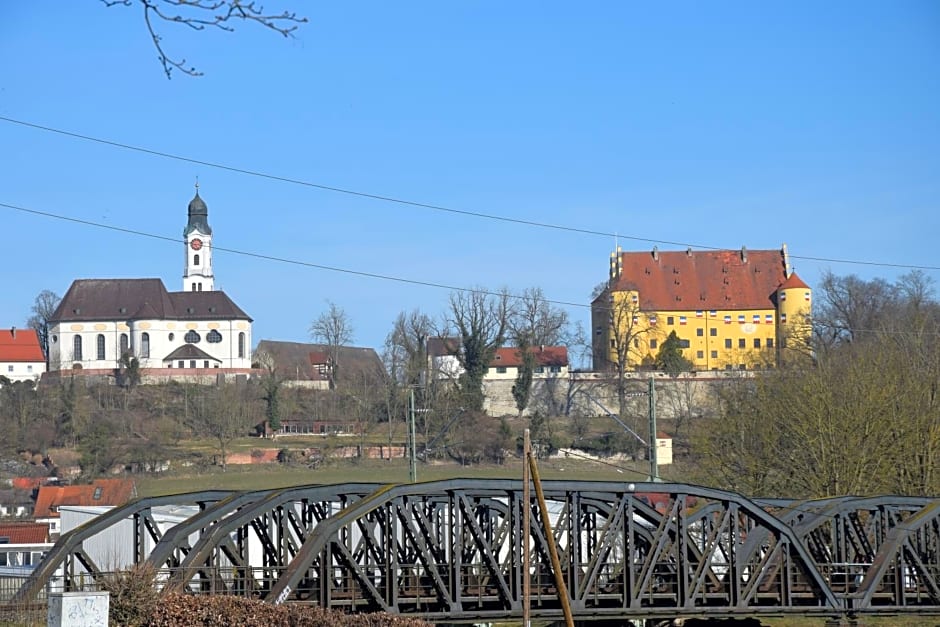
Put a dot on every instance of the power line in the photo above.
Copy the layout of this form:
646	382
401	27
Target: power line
423	205
296	262
361	273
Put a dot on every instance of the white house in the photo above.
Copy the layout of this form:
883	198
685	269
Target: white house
21	357
550	361
200	328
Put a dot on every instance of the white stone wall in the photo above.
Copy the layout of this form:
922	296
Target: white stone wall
62	339
22	370
511	372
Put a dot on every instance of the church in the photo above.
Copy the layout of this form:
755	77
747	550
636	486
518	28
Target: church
196	331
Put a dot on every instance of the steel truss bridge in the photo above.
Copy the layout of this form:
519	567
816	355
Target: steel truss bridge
452	550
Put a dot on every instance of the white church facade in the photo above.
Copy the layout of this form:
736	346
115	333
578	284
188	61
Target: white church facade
196	331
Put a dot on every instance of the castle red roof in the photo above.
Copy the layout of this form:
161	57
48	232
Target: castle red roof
544	356
699	280
102	492
793	281
20	345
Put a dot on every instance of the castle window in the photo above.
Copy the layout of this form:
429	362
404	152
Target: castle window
714	354
194	286
683	343
192	337
770	342
728	343
77	348
742	343
669	320
713	332
653	343
195	260
145	344
700	355
241	345
172	337
756	342
214	337
100	346
124	343
699	332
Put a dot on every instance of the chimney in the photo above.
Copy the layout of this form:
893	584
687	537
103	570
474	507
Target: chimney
655	253
13	332
744	254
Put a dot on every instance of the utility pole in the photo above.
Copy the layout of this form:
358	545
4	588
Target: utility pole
654	467
412	462
526	513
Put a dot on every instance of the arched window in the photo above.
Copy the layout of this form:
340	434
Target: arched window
124	344
77	348
100	346
192	337
195	260
171	337
145	345
194	286
213	337
241	345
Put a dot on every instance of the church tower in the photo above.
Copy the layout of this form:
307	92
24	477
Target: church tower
197	241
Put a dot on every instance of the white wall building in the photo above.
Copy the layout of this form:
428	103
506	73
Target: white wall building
200	328
21	357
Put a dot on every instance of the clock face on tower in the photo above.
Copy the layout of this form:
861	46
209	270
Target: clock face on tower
196	244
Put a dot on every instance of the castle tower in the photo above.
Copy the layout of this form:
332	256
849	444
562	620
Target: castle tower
197	251
794	306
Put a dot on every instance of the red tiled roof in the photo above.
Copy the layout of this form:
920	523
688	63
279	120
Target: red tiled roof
319	358
29	483
793	281
112	492
544	356
25	533
20	345
694	280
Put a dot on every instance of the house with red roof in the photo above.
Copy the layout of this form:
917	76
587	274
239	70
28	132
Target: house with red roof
21	357
101	492
730	309
550	362
22	546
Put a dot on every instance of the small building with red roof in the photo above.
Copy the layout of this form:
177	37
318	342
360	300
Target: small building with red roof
550	362
21	357
22	546
101	492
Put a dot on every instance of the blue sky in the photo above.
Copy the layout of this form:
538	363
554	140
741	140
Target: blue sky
711	124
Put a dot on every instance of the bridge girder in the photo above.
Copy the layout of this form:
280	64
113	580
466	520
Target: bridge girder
451	550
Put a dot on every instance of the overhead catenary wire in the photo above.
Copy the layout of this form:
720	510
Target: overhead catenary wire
361	273
422	205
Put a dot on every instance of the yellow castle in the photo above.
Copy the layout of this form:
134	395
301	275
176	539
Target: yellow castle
731	309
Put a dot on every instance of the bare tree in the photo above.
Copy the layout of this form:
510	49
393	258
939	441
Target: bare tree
535	323
205	14
480	321
616	320
225	414
408	341
43	307
333	329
